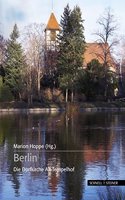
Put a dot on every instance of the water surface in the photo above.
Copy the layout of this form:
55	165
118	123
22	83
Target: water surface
91	143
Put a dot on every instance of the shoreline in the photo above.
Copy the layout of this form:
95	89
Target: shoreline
19	108
30	110
57	110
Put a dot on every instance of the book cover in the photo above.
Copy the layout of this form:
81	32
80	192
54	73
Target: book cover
62	110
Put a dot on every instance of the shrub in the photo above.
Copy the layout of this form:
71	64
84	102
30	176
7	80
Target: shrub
5	93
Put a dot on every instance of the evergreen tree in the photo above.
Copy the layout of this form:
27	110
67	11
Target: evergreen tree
71	48
14	64
5	93
91	81
2	49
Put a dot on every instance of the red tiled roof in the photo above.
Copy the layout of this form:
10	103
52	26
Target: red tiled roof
95	51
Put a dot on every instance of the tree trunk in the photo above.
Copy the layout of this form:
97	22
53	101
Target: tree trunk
105	85
31	99
66	95
28	99
72	96
38	83
20	97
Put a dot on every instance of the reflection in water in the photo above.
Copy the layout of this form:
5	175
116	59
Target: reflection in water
92	143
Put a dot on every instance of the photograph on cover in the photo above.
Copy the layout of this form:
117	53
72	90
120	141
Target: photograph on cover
62	100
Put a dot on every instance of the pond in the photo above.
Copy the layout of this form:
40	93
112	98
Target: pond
52	156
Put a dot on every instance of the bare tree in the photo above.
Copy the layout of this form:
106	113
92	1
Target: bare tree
34	49
121	68
106	39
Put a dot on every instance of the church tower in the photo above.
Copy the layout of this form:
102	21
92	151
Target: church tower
51	31
51	50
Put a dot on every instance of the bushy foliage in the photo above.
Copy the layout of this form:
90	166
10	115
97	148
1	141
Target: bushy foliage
91	81
5	93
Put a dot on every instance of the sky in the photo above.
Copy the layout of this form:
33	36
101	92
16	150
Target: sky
24	12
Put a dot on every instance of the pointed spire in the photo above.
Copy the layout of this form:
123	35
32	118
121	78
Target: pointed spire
52	23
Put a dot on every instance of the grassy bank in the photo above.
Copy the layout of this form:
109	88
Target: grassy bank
24	105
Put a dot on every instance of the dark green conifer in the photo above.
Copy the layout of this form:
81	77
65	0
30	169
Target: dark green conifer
14	63
71	45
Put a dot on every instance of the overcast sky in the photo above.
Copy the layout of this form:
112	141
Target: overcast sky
24	12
